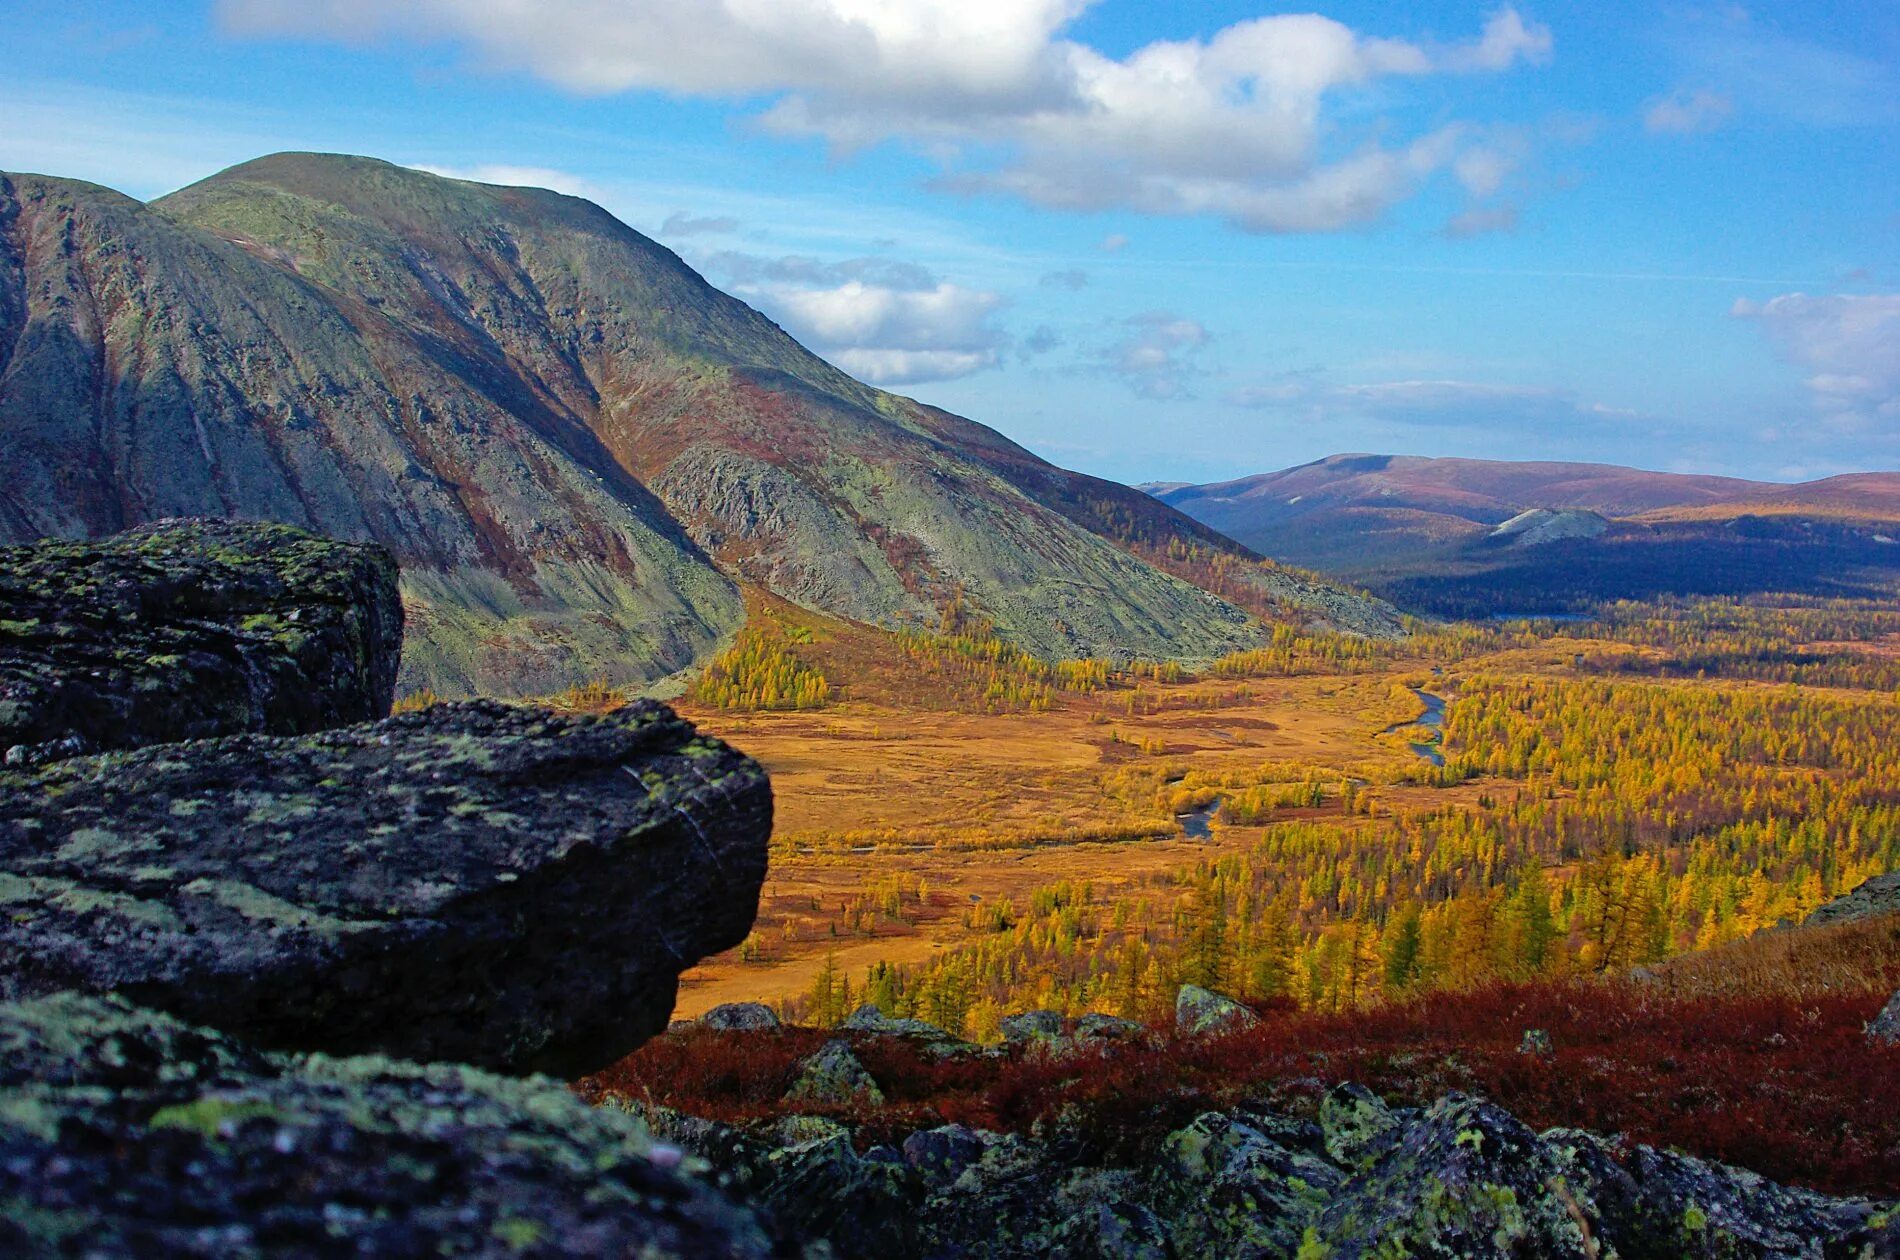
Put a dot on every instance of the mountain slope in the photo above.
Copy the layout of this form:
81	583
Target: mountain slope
1475	536
555	423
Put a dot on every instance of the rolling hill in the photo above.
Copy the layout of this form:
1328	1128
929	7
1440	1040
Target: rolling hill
577	448
1474	537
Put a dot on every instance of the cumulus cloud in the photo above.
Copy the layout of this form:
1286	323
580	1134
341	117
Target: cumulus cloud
1849	344
1156	355
1232	126
680	223
883	320
1685	113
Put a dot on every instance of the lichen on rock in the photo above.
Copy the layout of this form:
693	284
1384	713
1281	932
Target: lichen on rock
189	629
124	1132
478	882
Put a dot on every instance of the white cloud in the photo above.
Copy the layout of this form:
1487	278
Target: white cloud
882	320
519	177
1685	113
680	223
1232	126
1482	221
1156	356
1849	344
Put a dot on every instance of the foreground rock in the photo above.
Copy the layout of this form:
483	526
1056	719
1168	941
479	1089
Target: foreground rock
1461	1178
188	630
126	1133
474	882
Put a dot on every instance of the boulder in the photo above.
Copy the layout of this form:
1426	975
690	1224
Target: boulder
1886	1025
1877	896
1229	1189
876	1023
124	1132
1201	1012
834	1077
1356	1124
740	1017
190	629
1103	1028
475	882
1032	1027
1463	1179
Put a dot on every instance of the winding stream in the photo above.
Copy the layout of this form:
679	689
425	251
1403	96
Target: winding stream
1434	717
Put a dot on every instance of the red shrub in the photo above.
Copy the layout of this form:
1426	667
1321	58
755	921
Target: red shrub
1789	1088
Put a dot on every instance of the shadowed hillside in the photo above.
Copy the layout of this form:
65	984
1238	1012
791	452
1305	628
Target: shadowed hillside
571	441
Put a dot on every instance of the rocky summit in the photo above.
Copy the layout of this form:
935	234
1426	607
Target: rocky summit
187	629
477	882
124	1132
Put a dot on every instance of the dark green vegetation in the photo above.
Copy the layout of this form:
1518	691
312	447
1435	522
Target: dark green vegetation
490	884
126	1133
190	629
1471	538
555	425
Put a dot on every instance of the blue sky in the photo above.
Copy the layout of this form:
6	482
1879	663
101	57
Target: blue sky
1152	242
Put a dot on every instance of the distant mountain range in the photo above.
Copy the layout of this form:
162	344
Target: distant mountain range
579	450
1471	537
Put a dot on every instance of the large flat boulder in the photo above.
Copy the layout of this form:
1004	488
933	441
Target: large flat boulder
124	1132
190	629
475	882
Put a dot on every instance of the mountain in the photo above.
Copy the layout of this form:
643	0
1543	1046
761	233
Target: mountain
1472	537
578	449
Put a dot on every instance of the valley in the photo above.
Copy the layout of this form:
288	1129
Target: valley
955	856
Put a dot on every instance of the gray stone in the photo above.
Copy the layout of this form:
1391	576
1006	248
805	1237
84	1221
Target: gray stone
1886	1025
833	1076
1032	1026
1877	896
740	1017
868	1019
124	1132
1201	1012
476	882
1356	1123
190	629
1094	1027
941	1154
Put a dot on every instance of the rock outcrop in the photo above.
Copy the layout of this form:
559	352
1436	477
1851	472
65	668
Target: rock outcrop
1202	1012
124	1132
189	629
1877	896
476	882
1460	1178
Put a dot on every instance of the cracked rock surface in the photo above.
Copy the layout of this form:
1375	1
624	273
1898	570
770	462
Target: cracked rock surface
476	882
